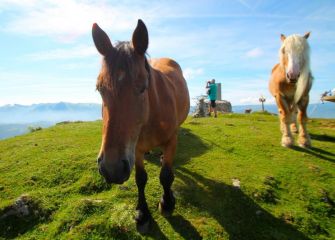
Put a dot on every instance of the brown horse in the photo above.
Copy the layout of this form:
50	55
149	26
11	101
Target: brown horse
290	83
143	106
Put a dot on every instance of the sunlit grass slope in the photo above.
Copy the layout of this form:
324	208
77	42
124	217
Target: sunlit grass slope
283	193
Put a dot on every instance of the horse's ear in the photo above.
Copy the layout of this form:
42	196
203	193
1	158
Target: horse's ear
282	37
140	38
101	40
307	35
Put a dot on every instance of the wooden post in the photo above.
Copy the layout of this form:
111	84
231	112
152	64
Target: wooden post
262	100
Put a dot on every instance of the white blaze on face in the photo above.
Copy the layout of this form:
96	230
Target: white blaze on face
130	153
294	65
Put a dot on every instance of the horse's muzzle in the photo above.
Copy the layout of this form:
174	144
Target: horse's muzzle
292	78
118	172
293	81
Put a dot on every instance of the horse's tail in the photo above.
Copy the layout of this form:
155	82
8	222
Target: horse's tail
304	84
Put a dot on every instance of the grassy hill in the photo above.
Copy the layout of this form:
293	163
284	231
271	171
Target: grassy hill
283	193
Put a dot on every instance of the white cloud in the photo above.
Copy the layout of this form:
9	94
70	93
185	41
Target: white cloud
192	73
5	4
66	20
254	53
63	53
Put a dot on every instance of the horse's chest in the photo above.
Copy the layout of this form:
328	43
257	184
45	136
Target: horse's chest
155	134
290	90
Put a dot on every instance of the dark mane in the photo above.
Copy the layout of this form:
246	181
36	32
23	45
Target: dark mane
122	58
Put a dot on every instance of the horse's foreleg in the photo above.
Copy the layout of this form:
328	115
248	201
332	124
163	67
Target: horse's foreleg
167	202
285	120
293	125
304	139
143	217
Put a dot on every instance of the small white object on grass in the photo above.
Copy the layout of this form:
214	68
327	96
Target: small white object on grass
236	182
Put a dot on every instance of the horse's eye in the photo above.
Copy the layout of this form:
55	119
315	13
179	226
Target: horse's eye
142	90
144	87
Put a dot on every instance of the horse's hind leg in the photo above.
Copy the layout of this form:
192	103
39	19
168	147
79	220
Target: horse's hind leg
285	120
304	139
167	202
143	217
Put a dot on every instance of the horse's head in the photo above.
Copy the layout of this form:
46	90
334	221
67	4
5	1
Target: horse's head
122	83
294	55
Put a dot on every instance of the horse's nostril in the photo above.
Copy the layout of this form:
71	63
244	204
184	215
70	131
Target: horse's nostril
103	172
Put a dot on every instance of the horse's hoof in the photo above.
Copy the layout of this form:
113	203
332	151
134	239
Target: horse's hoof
287	142
166	209
287	145
143	220
143	227
305	144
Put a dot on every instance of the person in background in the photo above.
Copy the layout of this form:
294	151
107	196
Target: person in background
211	86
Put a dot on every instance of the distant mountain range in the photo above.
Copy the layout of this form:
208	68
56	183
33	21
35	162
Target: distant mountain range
10	130
16	119
49	112
315	110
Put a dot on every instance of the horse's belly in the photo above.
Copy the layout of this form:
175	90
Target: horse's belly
157	136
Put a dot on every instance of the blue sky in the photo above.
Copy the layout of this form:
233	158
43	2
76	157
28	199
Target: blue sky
47	53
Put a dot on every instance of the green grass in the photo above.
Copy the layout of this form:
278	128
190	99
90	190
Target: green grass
283	194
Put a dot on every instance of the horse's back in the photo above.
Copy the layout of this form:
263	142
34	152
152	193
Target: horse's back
165	65
171	83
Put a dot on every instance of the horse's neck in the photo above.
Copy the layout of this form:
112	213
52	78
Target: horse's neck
153	94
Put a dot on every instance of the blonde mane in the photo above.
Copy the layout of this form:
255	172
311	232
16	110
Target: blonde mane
300	46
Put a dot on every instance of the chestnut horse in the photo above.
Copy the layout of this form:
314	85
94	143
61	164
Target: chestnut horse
290	83
143	106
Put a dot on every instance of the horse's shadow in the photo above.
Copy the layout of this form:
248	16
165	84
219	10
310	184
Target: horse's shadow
317	152
323	137
188	141
180	226
236	212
